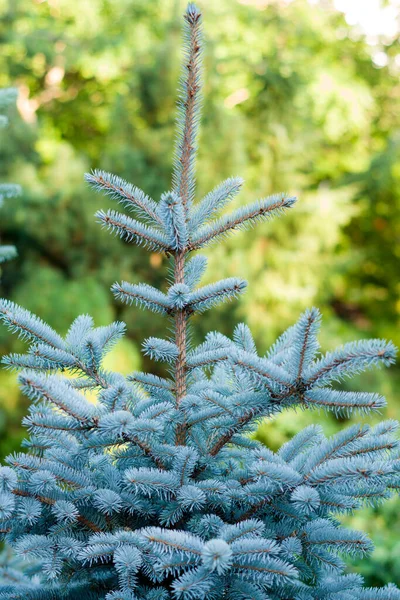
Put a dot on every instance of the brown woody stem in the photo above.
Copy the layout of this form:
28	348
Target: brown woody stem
184	185
180	341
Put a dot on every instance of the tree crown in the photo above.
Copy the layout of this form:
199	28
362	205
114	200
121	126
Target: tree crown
156	491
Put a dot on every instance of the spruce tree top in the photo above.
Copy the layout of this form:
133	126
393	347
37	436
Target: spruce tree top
156	491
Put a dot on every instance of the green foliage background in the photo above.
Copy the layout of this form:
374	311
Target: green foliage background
293	101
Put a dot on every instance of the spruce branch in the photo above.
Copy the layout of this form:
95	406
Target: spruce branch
7	253
143	295
160	349
172	214
263	371
134	231
349	360
241	218
210	295
56	391
205	359
126	194
150	380
343	403
305	341
194	270
50	502
28	326
214	201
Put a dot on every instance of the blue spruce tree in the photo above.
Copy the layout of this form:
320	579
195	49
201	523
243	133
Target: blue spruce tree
156	491
7	190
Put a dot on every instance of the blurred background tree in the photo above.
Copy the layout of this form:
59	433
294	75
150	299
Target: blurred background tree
298	97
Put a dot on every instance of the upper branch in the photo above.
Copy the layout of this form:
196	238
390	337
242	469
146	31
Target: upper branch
188	115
